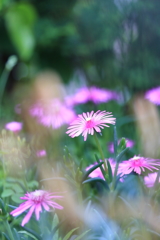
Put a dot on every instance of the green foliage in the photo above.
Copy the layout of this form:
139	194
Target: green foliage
20	19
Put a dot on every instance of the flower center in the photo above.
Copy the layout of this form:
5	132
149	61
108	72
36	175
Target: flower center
37	196
89	123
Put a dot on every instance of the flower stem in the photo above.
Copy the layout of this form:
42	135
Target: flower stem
101	152
7	226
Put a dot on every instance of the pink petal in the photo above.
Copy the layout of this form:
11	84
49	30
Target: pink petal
28	216
22	208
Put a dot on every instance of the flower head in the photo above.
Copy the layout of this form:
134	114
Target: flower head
52	114
14	126
129	143
153	95
34	202
41	153
150	179
87	123
137	164
94	94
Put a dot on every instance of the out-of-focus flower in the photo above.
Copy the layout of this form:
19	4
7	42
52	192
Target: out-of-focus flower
87	123
52	113
97	172
150	179
35	201
14	126
14	150
93	94
138	164
129	143
41	153
153	95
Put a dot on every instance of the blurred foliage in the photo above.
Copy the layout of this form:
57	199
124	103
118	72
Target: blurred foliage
114	43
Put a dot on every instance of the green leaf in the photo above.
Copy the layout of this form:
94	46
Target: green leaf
55	227
17	188
16	197
5	236
82	235
115	141
91	170
7	193
20	19
102	169
32	232
16	234
33	184
118	158
92	180
109	171
70	233
28	234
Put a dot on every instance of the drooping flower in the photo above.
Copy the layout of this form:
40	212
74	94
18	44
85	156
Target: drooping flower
138	164
153	95
52	114
97	172
150	179
41	153
129	143
94	94
14	126
87	123
34	202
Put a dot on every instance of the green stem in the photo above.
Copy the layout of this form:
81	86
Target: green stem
7	226
100	151
115	176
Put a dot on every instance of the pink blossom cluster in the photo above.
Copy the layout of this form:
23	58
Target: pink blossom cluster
14	126
52	114
93	94
153	95
136	164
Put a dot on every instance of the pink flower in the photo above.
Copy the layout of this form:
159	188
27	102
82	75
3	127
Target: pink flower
41	153
52	114
137	164
94	94
150	179
129	143
35	201
153	95
97	172
14	126
87	123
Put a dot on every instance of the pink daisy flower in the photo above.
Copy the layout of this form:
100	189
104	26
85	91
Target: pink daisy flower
94	94
129	143
98	95
150	179
52	114
41	153
153	95
14	126
35	201
87	123
137	164
97	172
